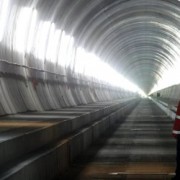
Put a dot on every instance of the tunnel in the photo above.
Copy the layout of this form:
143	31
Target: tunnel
89	89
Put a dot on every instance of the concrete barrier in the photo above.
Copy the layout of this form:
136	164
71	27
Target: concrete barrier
113	118
43	165
25	143
96	132
104	125
63	159
87	137
75	146
22	144
51	160
96	115
80	121
62	128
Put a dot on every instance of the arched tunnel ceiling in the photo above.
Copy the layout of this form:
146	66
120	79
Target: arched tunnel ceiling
136	37
139	38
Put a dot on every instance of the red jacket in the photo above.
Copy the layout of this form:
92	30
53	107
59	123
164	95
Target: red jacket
176	127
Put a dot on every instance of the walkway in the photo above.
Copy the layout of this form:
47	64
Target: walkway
140	147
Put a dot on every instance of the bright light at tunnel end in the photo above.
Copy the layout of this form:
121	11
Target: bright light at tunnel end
91	65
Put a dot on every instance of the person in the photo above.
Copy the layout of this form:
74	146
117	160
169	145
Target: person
176	134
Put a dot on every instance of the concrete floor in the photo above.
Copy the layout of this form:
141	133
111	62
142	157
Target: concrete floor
140	147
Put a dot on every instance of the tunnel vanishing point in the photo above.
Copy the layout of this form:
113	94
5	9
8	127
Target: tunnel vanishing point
88	89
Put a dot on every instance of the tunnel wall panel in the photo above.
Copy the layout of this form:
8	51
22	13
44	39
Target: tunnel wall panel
37	95
170	95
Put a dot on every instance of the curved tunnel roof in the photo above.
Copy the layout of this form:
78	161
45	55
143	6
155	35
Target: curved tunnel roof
139	38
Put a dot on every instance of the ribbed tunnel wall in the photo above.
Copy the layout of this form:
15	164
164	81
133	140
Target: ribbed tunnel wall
43	45
39	72
45	91
170	95
167	99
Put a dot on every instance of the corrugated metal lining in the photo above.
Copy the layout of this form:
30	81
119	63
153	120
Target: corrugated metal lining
139	31
139	38
120	32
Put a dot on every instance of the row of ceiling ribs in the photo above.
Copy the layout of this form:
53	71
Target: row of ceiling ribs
138	38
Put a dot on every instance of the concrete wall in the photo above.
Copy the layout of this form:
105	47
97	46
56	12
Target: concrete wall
168	99
170	95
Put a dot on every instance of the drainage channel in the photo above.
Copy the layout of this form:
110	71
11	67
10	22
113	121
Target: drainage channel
140	146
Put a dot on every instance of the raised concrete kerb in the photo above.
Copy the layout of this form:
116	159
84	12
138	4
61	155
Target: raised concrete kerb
96	132
80	121
58	113
107	110
62	128
24	143
113	118
75	146
87	137
105	124
97	114
50	162
40	166
18	145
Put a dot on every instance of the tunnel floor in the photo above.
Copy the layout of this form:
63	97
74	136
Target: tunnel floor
139	147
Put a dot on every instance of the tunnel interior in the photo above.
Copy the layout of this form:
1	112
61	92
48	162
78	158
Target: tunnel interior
76	75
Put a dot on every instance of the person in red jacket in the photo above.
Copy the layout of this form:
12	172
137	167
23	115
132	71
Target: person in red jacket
176	134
